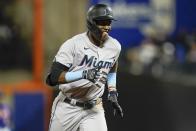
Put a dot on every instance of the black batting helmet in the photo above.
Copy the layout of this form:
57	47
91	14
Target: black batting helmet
98	12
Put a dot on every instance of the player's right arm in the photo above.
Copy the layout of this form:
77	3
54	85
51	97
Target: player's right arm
59	74
62	62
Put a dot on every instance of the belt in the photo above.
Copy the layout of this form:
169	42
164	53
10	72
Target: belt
85	105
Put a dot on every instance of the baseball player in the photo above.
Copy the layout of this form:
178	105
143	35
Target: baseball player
81	68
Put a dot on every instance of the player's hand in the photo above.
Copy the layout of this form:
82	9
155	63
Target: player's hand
112	97
91	74
96	75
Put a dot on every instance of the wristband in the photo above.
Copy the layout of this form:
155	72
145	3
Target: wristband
73	76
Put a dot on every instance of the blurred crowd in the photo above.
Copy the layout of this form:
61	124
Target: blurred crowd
160	54
5	114
15	53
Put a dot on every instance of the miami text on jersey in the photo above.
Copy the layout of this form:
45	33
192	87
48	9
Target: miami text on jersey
92	61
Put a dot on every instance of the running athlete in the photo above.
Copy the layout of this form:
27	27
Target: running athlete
82	68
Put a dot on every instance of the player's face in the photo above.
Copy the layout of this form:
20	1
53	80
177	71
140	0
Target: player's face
105	27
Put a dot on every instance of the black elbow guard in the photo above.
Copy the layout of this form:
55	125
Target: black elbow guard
53	76
51	81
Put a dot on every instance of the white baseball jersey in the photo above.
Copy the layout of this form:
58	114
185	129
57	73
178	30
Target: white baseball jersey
78	53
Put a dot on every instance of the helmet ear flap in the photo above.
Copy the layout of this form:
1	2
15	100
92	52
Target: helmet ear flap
89	25
92	27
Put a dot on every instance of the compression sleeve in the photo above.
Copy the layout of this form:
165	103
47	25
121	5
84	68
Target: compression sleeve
112	80
73	76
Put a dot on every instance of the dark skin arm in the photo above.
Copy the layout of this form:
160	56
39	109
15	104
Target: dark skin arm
62	79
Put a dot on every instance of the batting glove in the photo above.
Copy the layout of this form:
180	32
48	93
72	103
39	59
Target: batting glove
95	75
91	74
112	97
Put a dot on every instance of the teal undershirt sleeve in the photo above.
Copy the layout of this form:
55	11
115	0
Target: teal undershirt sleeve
73	76
112	79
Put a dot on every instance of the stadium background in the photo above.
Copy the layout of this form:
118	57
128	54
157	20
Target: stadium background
156	80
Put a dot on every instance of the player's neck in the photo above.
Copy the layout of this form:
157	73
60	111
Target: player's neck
95	41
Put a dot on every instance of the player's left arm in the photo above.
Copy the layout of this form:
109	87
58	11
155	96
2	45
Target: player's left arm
112	78
112	90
